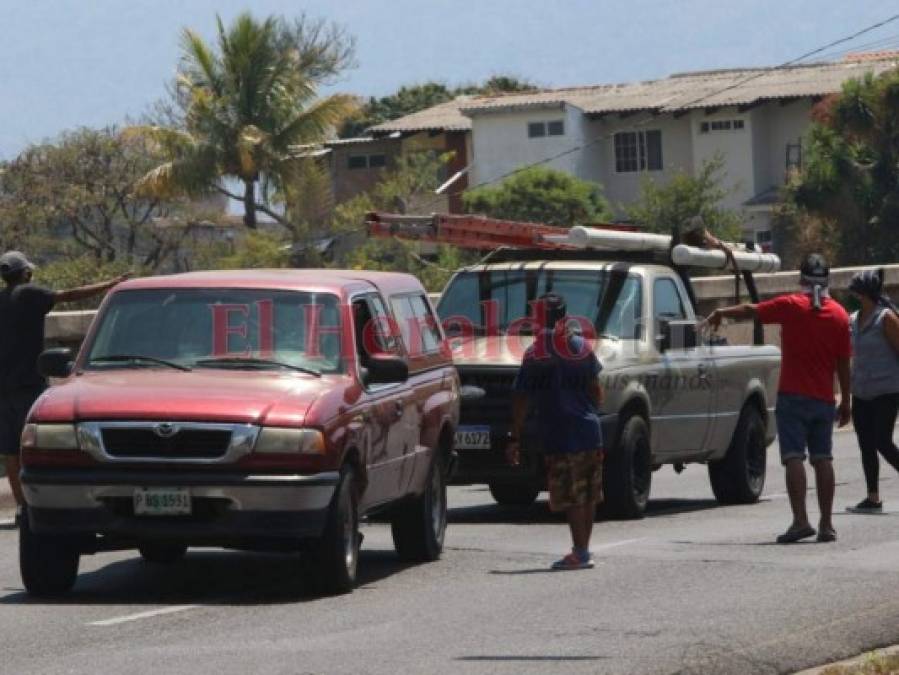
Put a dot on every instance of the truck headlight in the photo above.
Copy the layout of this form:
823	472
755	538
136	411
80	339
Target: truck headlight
274	440
49	437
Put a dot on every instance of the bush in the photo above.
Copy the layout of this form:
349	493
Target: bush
541	195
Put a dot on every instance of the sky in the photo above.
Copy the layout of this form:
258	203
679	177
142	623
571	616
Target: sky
71	63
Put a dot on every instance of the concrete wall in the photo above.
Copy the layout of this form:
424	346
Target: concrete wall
69	328
501	144
624	188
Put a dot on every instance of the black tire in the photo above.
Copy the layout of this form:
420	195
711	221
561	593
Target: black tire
627	475
336	555
419	525
162	552
513	495
739	478
48	563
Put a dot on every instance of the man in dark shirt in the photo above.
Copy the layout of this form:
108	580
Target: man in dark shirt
559	374
23	306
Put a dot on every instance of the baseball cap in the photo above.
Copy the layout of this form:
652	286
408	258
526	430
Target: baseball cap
814	270
12	262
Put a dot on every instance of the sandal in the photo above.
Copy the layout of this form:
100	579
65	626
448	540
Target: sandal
795	534
827	535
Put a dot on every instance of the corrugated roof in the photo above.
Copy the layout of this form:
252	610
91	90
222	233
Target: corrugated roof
681	92
441	117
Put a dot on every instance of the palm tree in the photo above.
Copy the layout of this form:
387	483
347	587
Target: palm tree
246	104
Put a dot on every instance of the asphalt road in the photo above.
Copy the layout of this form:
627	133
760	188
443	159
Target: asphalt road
693	588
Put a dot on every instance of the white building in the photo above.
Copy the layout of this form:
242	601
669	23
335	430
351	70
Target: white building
618	135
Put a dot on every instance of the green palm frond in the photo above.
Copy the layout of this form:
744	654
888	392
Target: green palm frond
314	122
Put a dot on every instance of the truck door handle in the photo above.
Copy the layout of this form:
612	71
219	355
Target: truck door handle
398	408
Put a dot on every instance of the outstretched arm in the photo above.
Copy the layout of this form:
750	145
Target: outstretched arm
84	292
743	312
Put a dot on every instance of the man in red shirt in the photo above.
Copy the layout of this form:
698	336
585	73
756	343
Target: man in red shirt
815	343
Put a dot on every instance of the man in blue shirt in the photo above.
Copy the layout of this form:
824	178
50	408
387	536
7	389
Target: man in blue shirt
559	375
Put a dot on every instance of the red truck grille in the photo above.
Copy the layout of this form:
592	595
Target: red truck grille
186	443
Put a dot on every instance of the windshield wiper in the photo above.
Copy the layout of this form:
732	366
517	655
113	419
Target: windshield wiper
252	361
124	358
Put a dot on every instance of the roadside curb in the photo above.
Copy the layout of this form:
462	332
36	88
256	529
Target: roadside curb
853	662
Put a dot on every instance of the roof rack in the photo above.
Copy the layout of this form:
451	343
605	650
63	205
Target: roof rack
512	241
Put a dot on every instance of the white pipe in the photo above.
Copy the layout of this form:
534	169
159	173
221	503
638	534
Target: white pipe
748	261
615	240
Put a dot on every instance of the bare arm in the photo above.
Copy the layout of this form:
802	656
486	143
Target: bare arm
891	329
84	292
845	391
598	393
744	312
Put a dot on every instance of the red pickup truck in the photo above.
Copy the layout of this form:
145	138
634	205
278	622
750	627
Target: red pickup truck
259	410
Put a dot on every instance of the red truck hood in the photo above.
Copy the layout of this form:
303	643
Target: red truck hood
279	399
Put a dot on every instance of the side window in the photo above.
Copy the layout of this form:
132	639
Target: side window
430	332
373	333
409	328
666	300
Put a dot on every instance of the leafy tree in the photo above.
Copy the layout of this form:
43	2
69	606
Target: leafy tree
246	103
412	181
412	98
851	169
660	207
74	197
541	195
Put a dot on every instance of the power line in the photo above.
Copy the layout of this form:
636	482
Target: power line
690	104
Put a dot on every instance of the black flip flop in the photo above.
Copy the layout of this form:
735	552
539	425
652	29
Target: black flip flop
793	535
827	536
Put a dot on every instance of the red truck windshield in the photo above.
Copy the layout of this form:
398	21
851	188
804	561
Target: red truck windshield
191	327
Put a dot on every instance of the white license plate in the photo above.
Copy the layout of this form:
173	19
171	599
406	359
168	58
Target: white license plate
473	438
162	502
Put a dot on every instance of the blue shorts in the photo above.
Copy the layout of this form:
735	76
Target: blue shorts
804	422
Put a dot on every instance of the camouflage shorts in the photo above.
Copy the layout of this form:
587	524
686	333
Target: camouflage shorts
574	479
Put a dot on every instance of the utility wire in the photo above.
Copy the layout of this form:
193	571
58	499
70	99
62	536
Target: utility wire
690	104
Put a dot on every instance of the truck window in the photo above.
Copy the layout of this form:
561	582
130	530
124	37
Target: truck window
610	301
370	311
666	300
416	324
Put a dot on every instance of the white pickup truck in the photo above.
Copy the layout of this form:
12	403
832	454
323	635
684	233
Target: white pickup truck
672	395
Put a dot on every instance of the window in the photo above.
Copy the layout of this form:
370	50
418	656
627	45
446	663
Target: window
416	324
490	302
357	162
542	129
555	128
375	161
666	300
638	151
536	129
720	125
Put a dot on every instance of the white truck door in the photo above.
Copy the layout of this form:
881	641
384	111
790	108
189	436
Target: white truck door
681	389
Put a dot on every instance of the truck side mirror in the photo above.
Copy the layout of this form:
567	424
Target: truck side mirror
56	362
679	334
386	369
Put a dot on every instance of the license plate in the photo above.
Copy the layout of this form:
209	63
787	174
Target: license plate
162	502
473	438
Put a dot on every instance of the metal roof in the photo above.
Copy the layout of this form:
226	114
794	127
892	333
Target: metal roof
677	93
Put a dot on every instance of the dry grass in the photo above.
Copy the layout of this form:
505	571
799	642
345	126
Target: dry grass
875	663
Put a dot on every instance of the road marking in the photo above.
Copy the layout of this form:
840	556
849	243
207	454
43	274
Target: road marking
143	615
616	544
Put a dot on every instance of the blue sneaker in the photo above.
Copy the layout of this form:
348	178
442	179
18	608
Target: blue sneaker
575	561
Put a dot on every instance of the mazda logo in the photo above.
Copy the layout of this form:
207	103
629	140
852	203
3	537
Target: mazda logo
165	430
